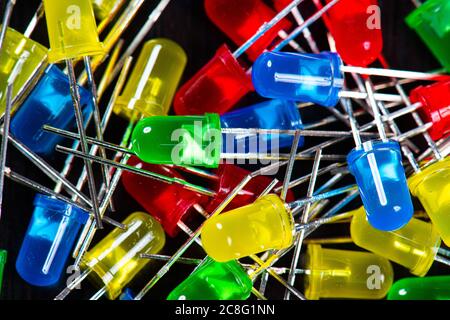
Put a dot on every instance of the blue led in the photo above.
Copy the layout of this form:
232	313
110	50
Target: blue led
381	180
272	114
49	103
48	241
302	77
127	295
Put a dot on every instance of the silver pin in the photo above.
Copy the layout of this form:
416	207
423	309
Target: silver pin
6	17
391	123
404	147
416	118
113	36
306	33
293	44
305	217
290	166
89	229
48	170
161	257
189	242
152	18
35	20
270	271
7	117
233	131
132	169
375	111
303	26
112	14
97	119
39	188
118	88
84	146
42	189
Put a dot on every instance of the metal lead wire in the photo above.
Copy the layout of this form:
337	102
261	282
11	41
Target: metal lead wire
304	25
304	219
6	120
5	22
290	166
265	27
84	146
139	171
97	119
143	31
191	240
34	21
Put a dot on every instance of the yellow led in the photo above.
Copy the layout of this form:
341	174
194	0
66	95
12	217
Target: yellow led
72	30
346	274
115	260
14	45
432	187
153	82
265	224
414	246
103	8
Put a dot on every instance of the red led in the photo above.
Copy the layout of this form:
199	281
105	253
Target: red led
214	88
168	203
229	177
353	25
280	4
435	100
240	20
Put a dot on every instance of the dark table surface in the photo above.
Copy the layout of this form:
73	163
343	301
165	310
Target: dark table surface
185	22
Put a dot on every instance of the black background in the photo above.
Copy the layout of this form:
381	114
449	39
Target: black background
185	22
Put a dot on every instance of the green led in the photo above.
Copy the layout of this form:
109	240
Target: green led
428	288
179	140
214	281
3	255
432	24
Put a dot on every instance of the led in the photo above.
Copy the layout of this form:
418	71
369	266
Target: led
180	140
222	81
14	46
377	167
168	203
414	246
313	78
115	261
49	103
49	238
316	78
216	87
3	256
103	8
228	177
427	288
272	114
213	280
435	107
71	29
265	224
431	23
73	34
240	20
346	274
127	295
431	186
153	81
365	44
